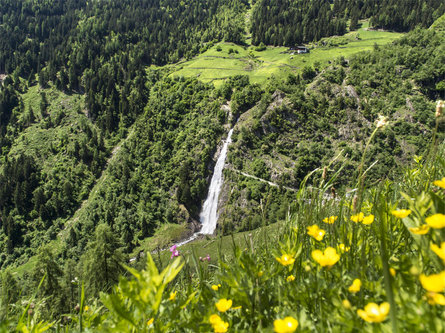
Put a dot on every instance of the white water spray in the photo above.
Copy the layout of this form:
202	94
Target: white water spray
209	214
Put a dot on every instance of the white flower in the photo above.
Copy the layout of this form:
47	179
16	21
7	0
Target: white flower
382	121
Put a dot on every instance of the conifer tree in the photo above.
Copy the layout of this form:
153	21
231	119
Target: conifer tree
101	263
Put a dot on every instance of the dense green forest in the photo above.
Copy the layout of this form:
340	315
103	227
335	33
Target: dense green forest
292	22
100	147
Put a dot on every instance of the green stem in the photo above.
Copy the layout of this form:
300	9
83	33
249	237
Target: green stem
360	183
384	255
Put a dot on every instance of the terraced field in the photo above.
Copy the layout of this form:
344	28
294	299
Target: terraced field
226	59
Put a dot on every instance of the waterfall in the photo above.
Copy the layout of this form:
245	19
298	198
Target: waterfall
209	215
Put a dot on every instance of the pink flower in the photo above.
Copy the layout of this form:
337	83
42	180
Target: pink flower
175	253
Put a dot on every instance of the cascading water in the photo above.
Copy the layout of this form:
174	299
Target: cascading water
209	214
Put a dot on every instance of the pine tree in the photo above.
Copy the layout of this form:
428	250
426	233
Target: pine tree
101	263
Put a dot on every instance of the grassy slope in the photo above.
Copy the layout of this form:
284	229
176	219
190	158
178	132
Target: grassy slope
39	141
215	65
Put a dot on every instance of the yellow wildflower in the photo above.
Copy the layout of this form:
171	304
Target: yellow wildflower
221	326
440	183
223	304
346	304
172	296
330	219
327	258
290	278
357	218
422	230
374	313
433	282
355	286
216	287
392	271
316	232
214	318
368	219
440	251
286	259
435	298
401	213
149	322
86	308
286	325
344	248
436	221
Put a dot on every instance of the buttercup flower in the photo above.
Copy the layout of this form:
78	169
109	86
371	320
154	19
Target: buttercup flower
368	219
330	219
149	322
357	218
214	318
401	213
436	221
285	260
374	313
290	278
216	287
435	298
286	325
344	248
355	286
433	282
172	296
440	251
440	183
346	304
327	258
316	232
223	304
392	271
219	325
422	230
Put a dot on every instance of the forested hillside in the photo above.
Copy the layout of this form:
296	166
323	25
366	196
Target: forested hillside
106	152
292	22
303	123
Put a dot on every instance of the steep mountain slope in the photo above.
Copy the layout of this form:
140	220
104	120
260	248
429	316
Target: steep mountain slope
314	117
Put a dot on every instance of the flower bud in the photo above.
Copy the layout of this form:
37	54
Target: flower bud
439	108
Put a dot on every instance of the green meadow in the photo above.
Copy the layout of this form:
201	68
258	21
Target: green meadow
227	59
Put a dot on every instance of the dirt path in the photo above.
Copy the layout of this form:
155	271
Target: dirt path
264	180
